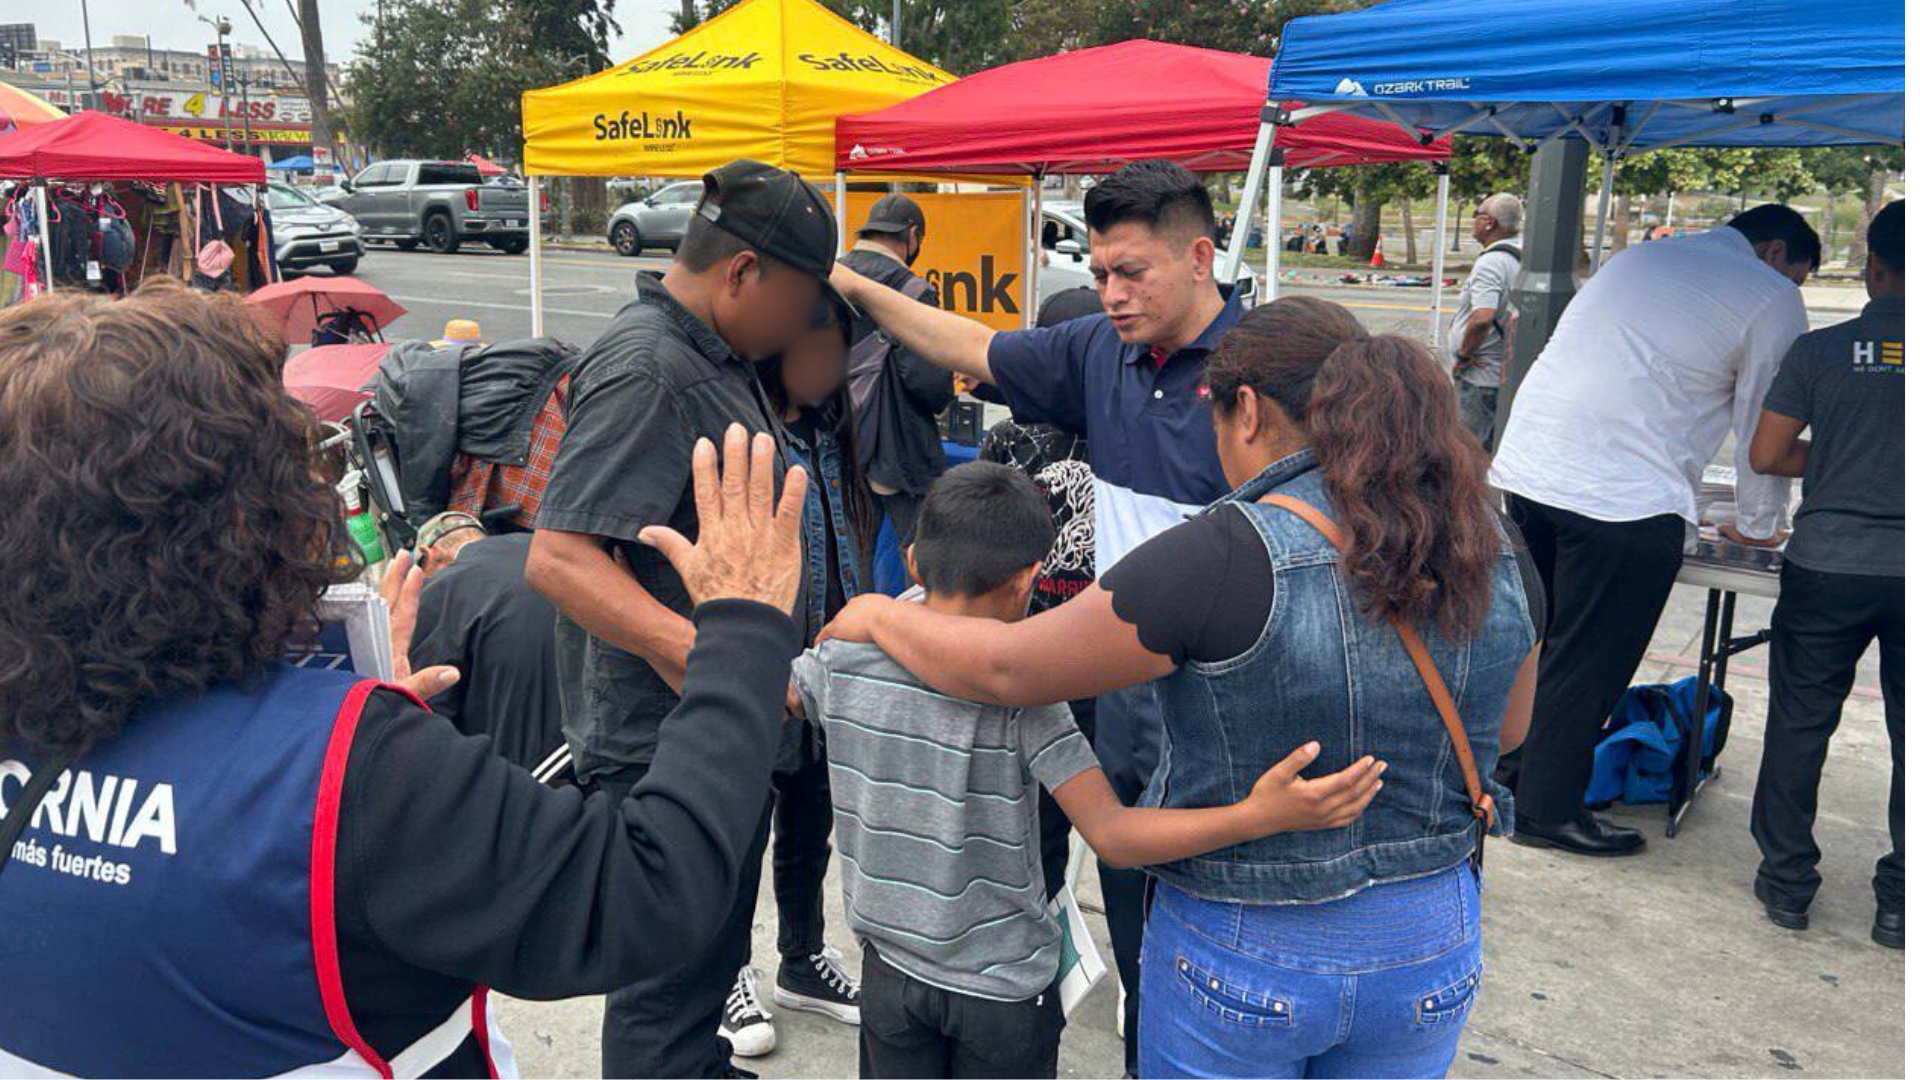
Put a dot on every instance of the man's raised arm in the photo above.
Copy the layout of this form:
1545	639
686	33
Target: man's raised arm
954	342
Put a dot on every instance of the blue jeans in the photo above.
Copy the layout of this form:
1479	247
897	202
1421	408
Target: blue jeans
1375	984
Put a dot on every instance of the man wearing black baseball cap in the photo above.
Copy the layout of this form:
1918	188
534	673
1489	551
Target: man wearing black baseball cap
898	392
674	365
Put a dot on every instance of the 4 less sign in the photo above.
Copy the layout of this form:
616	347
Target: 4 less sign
216	133
972	256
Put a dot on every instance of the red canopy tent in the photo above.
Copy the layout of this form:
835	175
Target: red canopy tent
486	167
1094	110
92	146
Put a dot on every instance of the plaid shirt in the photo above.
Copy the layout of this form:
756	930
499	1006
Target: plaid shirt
480	486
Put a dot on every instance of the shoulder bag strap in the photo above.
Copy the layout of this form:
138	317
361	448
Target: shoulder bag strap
1483	805
21	811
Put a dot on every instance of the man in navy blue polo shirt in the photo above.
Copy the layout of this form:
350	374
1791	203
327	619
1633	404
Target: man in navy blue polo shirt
1128	380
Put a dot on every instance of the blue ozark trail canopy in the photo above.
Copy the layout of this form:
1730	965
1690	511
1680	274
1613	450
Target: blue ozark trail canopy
1628	75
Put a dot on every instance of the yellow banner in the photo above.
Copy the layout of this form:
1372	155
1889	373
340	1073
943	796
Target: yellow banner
218	134
764	80
972	254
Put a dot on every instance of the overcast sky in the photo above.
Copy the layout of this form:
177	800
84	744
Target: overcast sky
172	25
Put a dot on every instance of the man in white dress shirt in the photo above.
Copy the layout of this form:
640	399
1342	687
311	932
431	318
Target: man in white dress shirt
1668	348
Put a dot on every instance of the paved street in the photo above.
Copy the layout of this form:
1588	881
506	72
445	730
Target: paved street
1660	965
583	287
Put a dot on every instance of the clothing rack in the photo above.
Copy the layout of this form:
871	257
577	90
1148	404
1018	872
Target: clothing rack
96	197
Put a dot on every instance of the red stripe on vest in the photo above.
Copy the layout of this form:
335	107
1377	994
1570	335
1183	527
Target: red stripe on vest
482	1033
320	883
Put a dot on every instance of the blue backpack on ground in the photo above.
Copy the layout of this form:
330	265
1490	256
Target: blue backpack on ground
1641	742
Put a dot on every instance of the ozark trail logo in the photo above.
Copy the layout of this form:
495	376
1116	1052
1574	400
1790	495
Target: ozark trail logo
1409	86
646	126
1349	88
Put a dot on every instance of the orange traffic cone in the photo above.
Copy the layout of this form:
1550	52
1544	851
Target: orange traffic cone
1378	258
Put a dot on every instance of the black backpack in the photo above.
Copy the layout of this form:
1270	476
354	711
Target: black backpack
872	354
1508	248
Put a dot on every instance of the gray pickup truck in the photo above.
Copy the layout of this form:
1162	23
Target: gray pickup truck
436	203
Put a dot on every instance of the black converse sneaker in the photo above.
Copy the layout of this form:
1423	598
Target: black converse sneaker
746	1023
819	985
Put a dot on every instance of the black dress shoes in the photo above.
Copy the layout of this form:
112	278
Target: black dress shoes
1890	927
1585	836
1779	914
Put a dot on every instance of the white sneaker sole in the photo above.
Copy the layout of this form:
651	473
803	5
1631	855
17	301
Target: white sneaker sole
752	1041
787	999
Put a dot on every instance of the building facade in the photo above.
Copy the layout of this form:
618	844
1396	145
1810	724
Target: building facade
253	103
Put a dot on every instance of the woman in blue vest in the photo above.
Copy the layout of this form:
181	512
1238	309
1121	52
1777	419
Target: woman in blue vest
238	868
1353	591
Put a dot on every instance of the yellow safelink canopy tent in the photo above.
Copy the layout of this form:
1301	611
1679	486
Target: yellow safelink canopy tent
763	80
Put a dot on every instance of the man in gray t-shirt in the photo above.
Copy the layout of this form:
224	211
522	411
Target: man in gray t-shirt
1844	586
1478	339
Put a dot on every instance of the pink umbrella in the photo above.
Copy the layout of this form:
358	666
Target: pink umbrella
487	168
298	306
329	379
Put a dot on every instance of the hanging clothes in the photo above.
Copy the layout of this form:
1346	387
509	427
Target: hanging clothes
71	233
22	261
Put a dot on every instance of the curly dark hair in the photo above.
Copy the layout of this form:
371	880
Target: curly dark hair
166	529
1407	480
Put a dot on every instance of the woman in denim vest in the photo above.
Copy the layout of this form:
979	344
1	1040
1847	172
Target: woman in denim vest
807	387
1352	951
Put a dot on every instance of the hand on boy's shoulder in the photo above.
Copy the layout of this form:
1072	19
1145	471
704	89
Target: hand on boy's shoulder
807	685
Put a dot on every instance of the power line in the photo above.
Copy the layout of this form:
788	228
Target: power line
255	16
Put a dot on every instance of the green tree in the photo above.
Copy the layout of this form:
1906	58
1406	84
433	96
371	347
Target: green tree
958	38
1368	189
1481	167
1865	169
441	78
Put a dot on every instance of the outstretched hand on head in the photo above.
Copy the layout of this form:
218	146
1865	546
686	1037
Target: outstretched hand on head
749	548
400	588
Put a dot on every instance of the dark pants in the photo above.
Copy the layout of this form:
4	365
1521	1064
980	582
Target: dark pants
1478	407
911	1029
1606	583
802	847
1821	627
668	1023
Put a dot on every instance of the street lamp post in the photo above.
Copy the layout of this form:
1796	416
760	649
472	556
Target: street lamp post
86	28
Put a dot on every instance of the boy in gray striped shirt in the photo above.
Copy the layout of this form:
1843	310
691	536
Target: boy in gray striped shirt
936	804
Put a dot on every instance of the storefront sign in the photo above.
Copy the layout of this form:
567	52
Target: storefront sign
218	134
202	107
